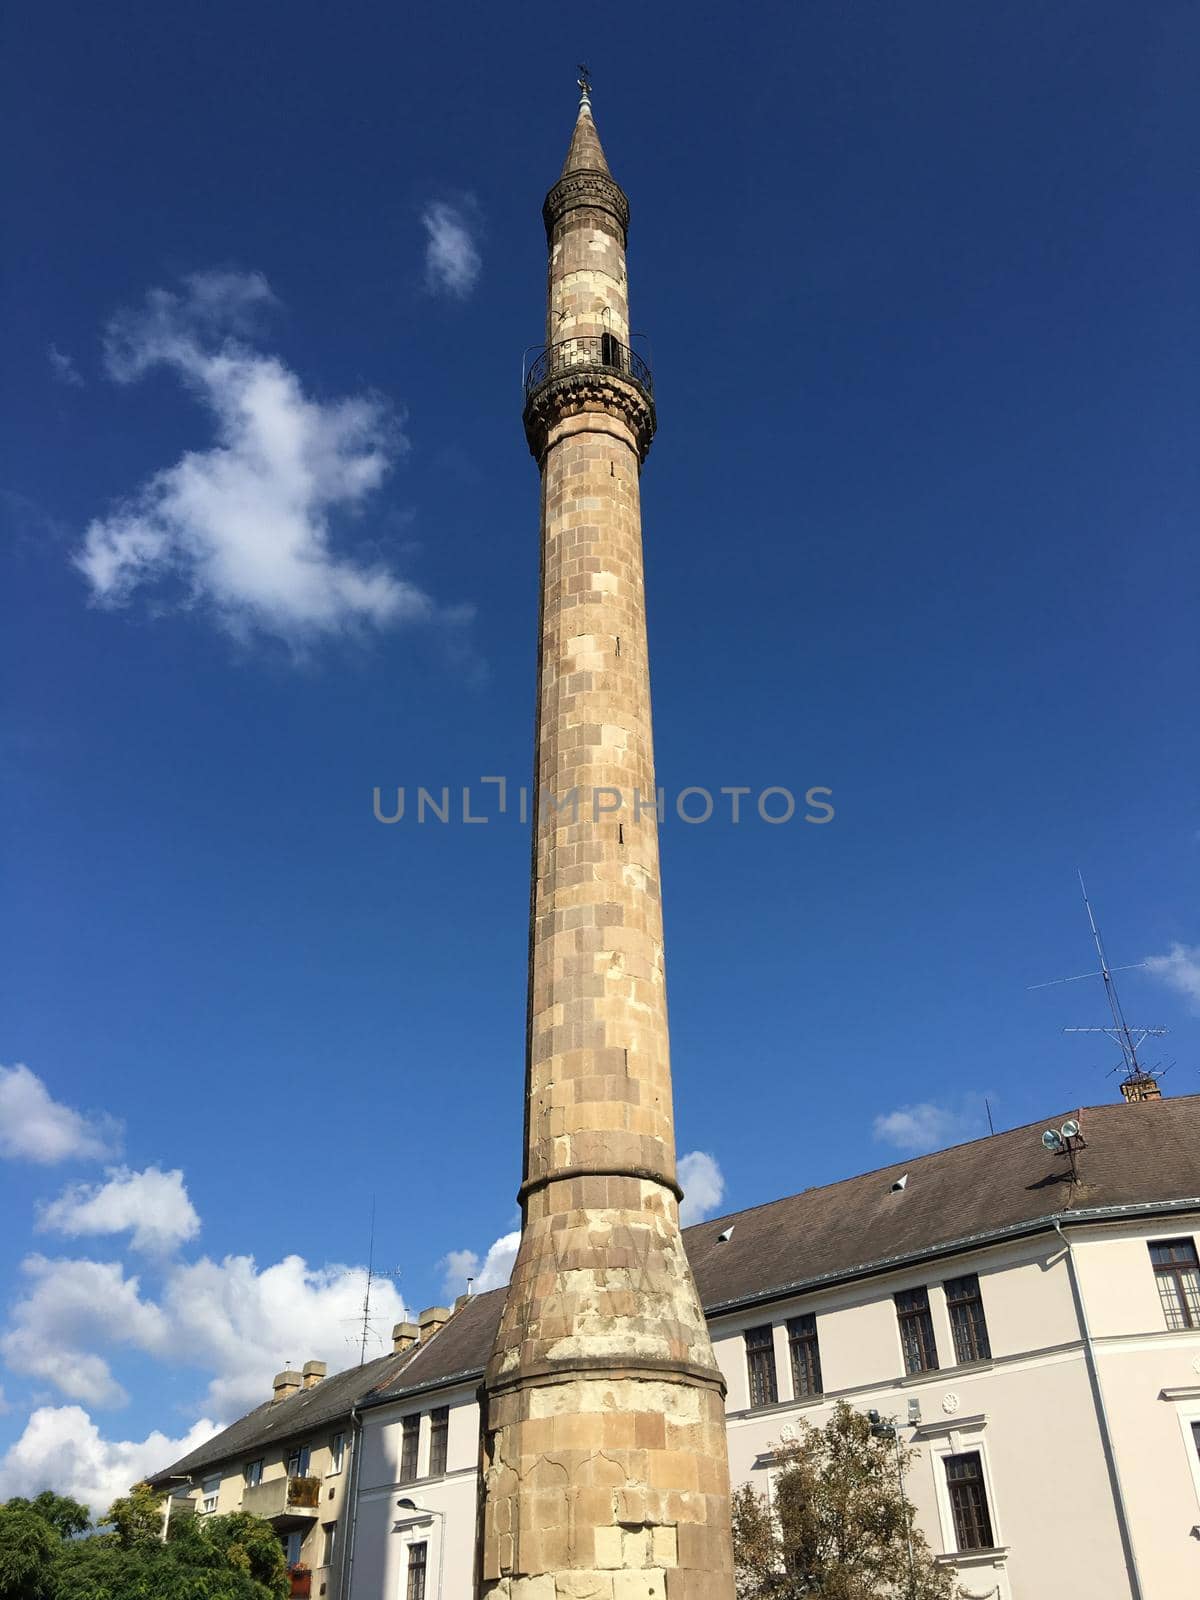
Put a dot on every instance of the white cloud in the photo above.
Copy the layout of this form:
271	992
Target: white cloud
244	526
452	259
1179	969
916	1129
703	1186
151	1205
64	368
70	1307
226	1318
457	1266
62	1449
495	1272
35	1127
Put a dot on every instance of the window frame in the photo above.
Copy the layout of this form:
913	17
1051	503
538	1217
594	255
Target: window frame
808	1339
252	1472
439	1441
960	1298
410	1436
301	1454
918	1317
210	1489
760	1362
418	1561
952	1484
329	1533
337	1453
1185	1305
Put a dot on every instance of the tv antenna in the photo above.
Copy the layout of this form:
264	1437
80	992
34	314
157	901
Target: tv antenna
367	1328
1127	1038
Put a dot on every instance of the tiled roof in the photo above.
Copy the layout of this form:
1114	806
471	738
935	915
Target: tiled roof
1137	1157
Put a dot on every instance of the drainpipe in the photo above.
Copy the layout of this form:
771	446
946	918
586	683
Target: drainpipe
352	1491
1110	1458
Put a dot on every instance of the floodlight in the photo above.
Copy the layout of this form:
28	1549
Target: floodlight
1051	1140
1070	1128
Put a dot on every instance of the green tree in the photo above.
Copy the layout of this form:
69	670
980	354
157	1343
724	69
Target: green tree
838	1525
43	1557
137	1517
29	1546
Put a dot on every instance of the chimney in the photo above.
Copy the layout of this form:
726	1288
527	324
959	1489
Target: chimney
463	1300
1140	1086
404	1336
314	1371
285	1383
430	1321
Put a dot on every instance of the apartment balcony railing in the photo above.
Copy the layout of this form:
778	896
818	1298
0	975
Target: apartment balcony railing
284	1501
602	351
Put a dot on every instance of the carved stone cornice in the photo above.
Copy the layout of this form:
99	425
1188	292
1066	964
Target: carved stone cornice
582	389
586	188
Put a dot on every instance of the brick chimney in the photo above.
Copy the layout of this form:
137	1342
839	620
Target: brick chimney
1140	1086
285	1383
432	1320
404	1336
314	1371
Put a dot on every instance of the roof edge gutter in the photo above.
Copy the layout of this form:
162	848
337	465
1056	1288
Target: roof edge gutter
971	1241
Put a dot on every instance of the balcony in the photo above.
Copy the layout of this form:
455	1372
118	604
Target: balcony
601	352
285	1502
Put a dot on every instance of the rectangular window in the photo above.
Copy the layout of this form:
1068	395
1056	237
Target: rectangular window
968	1501
416	1571
293	1546
252	1473
210	1490
806	1355
439	1438
760	1358
410	1435
337	1452
1177	1274
330	1544
298	1461
967	1323
916	1331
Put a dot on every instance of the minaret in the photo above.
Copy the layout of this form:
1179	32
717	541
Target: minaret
604	1461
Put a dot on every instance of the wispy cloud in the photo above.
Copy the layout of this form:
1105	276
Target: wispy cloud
36	1127
926	1125
152	1206
703	1185
63	368
1179	969
244	527
452	259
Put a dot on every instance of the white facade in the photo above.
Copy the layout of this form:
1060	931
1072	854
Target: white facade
1078	1423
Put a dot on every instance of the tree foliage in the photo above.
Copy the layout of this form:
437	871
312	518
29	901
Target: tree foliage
45	1556
837	1525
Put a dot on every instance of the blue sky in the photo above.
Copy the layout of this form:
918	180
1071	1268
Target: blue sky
918	284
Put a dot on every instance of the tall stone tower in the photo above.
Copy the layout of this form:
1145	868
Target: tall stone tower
605	1474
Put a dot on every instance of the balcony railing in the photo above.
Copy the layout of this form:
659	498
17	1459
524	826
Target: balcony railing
603	351
286	1499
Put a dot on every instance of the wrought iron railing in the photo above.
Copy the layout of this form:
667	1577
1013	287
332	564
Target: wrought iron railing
602	350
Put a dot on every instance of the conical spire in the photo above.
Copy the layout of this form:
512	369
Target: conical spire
585	154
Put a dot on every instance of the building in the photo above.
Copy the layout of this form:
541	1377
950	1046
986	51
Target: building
291	1460
603	1438
1034	1331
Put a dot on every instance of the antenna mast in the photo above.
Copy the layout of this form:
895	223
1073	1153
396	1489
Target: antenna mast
372	1274
1138	1082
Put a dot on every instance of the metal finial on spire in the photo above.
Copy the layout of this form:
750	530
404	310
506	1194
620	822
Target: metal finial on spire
585	85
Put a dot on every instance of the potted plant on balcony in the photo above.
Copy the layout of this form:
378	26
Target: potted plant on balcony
301	1580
